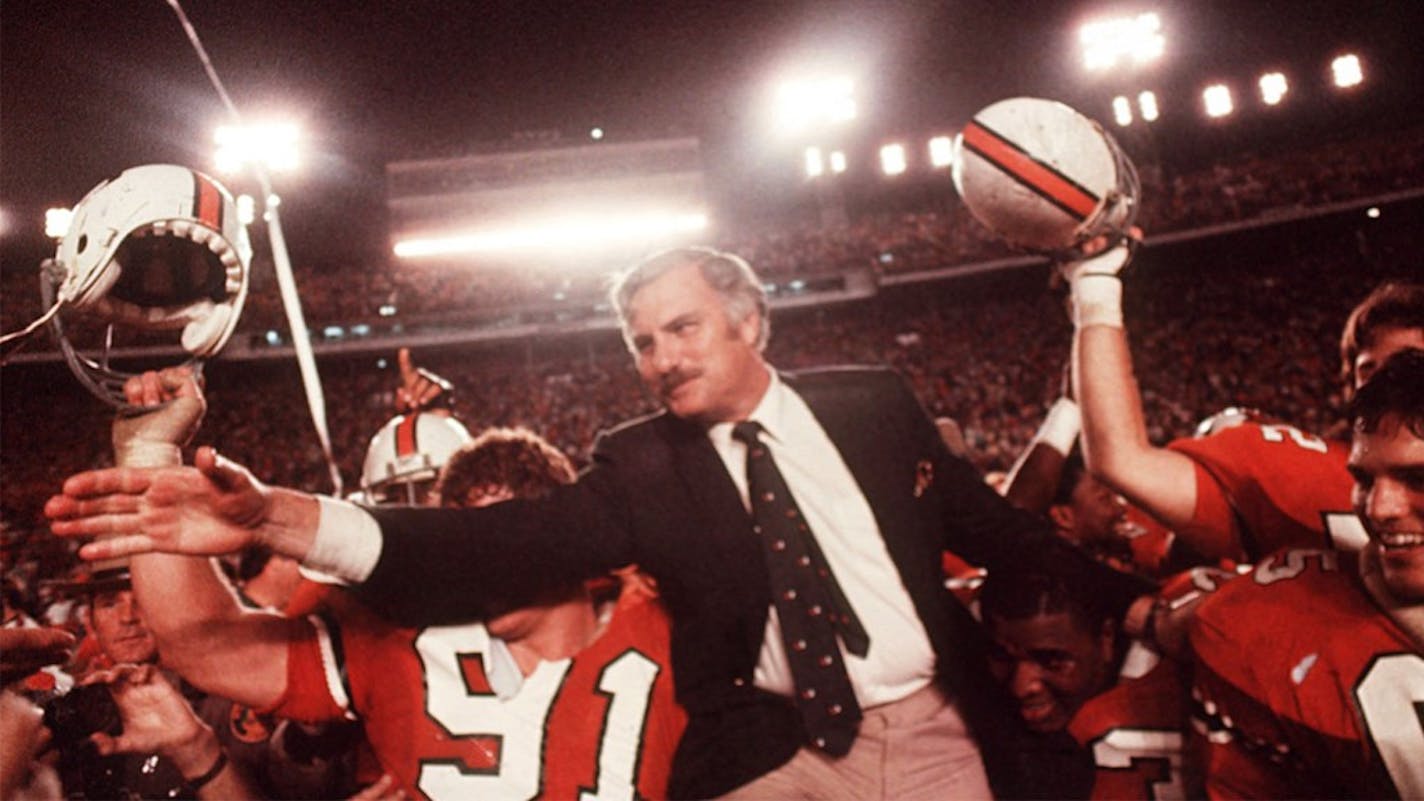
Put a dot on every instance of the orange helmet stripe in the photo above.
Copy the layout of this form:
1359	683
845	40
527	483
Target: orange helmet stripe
1043	179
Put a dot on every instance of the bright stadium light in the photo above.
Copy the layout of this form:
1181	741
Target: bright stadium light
1136	39
892	159
273	145
1147	104
1122	111
815	165
1347	71
941	151
1217	99
804	104
595	134
565	233
57	222
1273	88
838	162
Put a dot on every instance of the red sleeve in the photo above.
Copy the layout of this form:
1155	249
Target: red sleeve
1261	488
315	688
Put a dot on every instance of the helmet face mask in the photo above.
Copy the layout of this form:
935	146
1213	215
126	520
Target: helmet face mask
1044	177
406	456
159	248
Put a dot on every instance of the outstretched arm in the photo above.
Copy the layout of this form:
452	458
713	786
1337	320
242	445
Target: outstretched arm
1114	438
214	507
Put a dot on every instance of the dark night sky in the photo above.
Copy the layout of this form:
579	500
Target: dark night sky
88	88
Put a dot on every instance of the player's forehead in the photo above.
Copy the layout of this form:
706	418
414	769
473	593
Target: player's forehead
1390	445
1386	342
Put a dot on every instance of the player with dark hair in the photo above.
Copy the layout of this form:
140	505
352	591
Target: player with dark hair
1310	671
1063	661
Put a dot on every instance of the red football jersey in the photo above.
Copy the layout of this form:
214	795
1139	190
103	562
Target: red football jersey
1305	688
1135	731
1149	540
603	723
1263	487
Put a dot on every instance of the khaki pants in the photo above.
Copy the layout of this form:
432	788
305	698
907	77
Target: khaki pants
917	747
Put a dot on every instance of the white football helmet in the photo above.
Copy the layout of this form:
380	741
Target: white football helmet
406	455
160	247
1044	177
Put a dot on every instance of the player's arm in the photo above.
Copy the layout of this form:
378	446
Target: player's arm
1033	479
1114	438
207	635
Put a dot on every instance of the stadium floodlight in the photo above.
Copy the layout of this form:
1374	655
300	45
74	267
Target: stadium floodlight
1217	99
272	145
595	134
838	161
1347	71
57	222
1138	40
815	165
892	159
804	104
1147	104
1273	88
1122	110
1372	212
563	233
941	151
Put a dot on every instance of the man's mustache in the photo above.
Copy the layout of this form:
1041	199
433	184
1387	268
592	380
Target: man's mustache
671	381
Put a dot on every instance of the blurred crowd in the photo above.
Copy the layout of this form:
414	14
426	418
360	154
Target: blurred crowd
1247	318
1245	188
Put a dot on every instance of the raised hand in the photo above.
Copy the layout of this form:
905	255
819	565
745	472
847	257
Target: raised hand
174	409
419	387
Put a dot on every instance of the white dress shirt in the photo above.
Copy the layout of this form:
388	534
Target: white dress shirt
900	660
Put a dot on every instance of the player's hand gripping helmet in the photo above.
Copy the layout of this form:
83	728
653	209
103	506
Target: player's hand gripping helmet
406	455
158	248
1044	177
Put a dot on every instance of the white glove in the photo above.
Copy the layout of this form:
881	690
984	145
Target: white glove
1096	287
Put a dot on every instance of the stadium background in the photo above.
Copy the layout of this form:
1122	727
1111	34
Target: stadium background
1266	227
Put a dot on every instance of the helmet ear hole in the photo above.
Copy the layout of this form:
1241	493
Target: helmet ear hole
82	244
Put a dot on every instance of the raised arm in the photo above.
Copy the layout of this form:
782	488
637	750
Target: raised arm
203	631
1114	437
207	636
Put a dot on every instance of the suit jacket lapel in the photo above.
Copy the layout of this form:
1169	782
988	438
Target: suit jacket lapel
868	450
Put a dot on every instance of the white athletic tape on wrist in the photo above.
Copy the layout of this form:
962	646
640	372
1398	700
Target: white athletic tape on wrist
144	453
1061	427
1097	300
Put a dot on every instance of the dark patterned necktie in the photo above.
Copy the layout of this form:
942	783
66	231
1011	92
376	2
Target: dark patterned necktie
809	603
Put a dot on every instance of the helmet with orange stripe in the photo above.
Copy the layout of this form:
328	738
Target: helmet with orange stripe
406	455
1044	177
159	248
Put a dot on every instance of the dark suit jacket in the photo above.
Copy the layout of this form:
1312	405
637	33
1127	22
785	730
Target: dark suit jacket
659	495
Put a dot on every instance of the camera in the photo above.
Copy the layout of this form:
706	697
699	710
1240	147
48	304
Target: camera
71	718
83	711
